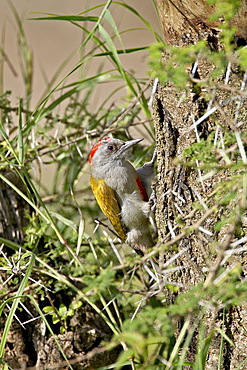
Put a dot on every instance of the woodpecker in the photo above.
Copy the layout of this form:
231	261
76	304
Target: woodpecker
122	192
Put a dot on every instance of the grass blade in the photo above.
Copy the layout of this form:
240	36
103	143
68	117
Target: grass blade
70	18
20	135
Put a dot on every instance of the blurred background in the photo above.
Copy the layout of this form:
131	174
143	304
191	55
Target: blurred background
56	42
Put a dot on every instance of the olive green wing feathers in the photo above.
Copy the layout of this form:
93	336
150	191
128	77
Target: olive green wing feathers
108	204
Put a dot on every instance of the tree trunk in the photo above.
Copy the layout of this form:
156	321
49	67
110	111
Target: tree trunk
185	22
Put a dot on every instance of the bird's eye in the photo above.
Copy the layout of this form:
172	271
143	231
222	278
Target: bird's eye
110	147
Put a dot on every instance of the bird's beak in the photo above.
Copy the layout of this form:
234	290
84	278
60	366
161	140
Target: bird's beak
127	145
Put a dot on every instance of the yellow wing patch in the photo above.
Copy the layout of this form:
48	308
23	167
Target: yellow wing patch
108	204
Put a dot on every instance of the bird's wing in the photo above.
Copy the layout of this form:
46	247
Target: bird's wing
142	189
108	203
145	174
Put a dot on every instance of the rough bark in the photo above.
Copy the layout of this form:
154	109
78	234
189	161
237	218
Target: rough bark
185	22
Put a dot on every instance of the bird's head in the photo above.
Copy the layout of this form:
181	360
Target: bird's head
109	149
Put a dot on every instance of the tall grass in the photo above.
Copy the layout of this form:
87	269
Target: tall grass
59	243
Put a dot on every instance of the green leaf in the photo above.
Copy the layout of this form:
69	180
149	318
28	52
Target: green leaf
201	357
62	310
48	309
